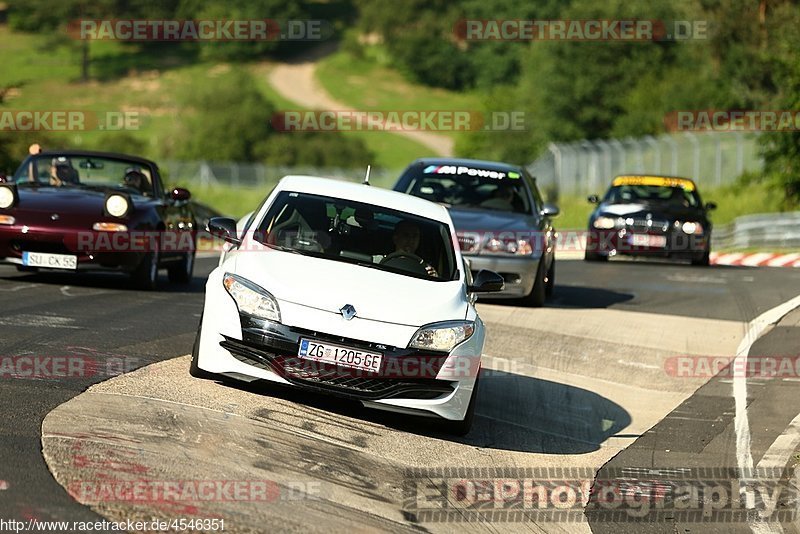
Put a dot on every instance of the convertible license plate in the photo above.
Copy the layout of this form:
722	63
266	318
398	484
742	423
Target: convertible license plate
647	240
51	261
338	355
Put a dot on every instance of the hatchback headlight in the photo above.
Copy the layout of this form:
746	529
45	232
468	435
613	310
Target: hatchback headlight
692	228
251	298
604	223
442	336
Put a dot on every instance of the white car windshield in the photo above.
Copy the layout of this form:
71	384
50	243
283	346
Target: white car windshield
364	234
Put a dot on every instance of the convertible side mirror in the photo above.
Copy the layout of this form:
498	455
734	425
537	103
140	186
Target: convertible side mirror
487	282
224	227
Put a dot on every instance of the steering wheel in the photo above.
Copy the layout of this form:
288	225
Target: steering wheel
409	261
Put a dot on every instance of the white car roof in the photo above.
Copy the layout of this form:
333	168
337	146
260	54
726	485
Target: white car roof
369	194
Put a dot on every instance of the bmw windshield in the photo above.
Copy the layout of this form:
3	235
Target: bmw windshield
363	234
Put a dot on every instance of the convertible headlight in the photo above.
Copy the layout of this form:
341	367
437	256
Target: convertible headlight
117	205
442	336
251	298
604	223
692	228
6	197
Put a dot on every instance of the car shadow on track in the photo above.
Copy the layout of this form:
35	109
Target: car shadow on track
113	281
514	413
586	297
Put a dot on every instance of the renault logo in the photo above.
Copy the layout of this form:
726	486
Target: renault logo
348	311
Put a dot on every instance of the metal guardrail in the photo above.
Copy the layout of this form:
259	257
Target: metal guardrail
761	231
711	159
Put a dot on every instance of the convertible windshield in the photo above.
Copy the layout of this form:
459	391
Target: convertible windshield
75	171
675	196
364	234
470	187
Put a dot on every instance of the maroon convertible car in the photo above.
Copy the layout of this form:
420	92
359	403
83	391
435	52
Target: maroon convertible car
78	210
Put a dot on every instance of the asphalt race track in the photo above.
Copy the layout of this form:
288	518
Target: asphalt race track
606	384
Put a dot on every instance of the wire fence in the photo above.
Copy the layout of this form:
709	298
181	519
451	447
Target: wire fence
584	167
258	175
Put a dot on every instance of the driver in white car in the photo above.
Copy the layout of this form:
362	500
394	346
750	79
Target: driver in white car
406	238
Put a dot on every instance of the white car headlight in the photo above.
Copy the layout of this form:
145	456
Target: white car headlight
6	197
692	228
117	205
442	336
604	223
251	298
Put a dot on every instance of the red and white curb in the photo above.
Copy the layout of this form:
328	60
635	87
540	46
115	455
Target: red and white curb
756	259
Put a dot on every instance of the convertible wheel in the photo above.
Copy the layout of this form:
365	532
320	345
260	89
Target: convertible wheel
146	274
538	294
181	272
462	428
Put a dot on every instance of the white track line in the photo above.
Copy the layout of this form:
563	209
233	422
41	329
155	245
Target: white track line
744	456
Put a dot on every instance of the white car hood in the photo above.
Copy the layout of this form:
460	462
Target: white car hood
329	285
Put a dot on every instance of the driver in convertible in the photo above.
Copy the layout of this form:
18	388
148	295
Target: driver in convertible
406	239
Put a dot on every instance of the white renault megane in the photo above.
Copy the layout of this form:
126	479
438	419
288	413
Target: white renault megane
349	290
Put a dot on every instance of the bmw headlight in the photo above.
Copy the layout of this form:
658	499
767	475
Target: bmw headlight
6	197
251	298
442	337
498	245
692	228
117	205
604	223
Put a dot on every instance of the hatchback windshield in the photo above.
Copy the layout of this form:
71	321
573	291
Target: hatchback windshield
469	187
674	196
363	234
77	171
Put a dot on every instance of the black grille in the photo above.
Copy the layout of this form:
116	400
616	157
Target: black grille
647	225
352	383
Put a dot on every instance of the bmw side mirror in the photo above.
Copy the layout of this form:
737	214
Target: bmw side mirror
180	194
225	228
487	282
711	206
594	199
550	210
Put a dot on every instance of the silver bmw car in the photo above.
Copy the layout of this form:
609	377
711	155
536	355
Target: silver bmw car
501	220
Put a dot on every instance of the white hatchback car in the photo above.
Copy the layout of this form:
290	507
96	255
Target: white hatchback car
349	290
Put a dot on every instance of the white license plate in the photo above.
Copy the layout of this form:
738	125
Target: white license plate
338	355
51	261
647	240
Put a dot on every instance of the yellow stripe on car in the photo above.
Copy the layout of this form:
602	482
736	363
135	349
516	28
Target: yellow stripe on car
664	181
